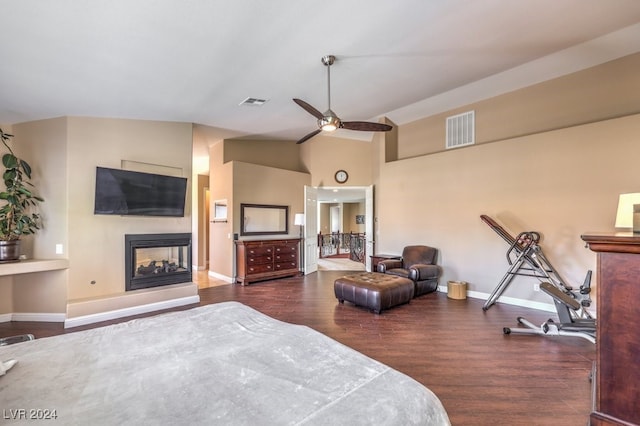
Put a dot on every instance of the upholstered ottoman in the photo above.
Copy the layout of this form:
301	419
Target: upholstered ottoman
374	290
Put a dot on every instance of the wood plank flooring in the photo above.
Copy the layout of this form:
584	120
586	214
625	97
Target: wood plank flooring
451	346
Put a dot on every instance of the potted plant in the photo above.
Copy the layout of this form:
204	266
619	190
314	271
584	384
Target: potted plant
16	215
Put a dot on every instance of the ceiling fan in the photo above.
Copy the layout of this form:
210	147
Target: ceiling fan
329	121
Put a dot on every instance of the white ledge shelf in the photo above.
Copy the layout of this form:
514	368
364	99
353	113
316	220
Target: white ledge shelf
33	265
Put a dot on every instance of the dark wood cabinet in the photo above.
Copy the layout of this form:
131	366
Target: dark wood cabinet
618	330
258	260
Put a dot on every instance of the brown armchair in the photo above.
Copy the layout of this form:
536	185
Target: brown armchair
417	264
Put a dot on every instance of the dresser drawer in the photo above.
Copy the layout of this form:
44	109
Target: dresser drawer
258	269
282	266
286	248
286	257
260	251
259	259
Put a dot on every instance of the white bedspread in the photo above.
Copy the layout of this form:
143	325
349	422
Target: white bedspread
218	364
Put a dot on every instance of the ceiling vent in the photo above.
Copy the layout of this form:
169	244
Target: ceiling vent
461	130
253	102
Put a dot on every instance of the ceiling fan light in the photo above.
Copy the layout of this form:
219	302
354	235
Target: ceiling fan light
329	124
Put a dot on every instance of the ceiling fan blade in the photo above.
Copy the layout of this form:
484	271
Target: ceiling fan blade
311	110
309	136
366	126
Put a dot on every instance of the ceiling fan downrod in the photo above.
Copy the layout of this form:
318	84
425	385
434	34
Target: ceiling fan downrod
328	60
330	121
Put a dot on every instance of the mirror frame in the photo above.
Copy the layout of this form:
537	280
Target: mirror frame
265	212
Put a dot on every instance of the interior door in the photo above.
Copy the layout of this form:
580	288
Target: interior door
310	243
368	226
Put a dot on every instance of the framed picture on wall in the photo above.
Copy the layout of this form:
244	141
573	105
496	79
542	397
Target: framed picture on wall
360	219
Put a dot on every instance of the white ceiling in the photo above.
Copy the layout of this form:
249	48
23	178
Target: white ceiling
196	60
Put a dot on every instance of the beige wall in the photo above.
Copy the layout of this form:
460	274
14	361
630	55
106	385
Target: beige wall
606	91
221	249
551	158
64	153
561	183
6	296
272	153
323	218
323	156
255	184
200	172
96	242
241	182
350	210
201	218
43	145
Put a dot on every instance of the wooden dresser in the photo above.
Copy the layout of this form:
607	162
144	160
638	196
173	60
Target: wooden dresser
618	328
258	260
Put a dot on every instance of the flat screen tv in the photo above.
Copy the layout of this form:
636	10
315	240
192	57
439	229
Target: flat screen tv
125	192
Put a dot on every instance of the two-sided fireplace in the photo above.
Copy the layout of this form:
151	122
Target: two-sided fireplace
153	260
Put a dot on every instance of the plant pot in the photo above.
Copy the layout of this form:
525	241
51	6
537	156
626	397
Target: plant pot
10	251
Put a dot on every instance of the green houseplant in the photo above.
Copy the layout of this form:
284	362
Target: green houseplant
17	217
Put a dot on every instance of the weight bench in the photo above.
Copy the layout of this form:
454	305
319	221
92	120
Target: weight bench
568	325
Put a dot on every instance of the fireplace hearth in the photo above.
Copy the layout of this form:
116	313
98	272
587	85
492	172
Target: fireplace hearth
153	260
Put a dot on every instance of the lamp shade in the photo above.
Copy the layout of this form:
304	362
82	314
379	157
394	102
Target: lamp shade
624	216
298	219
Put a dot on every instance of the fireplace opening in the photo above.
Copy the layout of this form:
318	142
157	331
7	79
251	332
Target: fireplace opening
153	260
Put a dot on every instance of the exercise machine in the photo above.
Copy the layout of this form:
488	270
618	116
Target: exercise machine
526	258
569	325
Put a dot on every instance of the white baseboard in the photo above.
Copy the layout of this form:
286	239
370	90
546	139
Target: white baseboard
33	316
221	277
547	307
39	317
125	312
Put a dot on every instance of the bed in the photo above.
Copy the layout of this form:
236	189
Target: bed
224	363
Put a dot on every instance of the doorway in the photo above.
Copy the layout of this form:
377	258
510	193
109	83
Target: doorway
344	210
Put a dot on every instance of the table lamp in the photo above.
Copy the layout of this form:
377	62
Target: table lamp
628	215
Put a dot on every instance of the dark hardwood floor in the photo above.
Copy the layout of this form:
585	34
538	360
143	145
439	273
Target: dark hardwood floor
451	346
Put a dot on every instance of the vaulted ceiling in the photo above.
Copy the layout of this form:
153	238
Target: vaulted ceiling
197	60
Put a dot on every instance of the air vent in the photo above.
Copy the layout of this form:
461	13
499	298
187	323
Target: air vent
253	102
461	130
